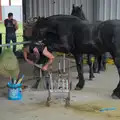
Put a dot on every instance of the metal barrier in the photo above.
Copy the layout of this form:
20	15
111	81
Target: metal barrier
27	42
19	39
17	43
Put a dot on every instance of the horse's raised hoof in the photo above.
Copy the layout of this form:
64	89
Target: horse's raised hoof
116	95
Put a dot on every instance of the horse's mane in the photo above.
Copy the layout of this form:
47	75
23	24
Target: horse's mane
41	21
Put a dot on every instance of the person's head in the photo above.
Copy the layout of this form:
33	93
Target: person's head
34	50
26	48
33	54
10	15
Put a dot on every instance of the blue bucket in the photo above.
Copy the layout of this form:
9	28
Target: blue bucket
14	91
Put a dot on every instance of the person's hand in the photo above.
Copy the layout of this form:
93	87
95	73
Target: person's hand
45	68
14	22
31	62
35	50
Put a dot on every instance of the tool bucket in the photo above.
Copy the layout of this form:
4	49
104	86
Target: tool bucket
14	91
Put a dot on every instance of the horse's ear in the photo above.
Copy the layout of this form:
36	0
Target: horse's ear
81	6
73	6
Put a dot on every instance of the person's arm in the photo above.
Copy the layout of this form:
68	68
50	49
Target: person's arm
48	55
16	24
25	57
5	22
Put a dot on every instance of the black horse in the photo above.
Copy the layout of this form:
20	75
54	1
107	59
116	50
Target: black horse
69	34
99	63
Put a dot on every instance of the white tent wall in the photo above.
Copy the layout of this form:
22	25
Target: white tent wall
44	8
93	9
108	9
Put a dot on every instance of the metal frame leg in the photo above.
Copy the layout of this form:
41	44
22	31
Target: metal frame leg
67	102
49	93
64	63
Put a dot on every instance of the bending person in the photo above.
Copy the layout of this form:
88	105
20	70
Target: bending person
38	54
38	49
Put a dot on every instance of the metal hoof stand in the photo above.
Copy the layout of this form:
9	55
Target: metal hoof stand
60	82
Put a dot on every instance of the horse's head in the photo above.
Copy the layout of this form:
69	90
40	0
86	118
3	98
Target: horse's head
78	11
28	28
40	29
35	29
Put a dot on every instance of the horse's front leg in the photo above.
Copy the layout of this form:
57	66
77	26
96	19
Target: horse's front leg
79	63
90	63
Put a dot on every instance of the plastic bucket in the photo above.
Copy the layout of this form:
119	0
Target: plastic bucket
14	91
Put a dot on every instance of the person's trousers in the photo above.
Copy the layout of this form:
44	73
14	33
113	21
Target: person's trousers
9	38
42	79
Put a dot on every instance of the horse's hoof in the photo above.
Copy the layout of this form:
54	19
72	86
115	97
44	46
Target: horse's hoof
116	95
104	70
90	79
98	72
92	76
78	88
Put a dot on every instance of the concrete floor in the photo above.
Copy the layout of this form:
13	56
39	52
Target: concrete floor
32	107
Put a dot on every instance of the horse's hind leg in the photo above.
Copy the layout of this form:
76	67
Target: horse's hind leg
90	63
104	62
99	59
79	63
95	65
116	92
